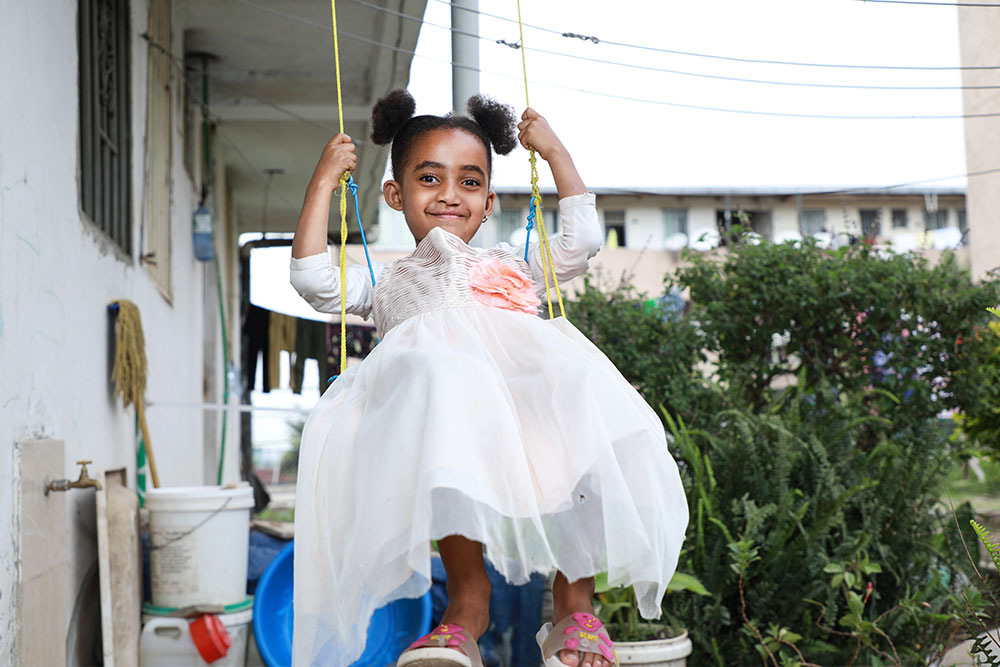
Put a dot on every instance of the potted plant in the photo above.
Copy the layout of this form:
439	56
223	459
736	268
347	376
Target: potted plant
638	642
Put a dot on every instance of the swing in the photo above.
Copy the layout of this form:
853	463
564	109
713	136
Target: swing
347	183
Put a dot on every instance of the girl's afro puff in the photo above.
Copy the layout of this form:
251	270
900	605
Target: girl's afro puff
390	113
393	121
497	120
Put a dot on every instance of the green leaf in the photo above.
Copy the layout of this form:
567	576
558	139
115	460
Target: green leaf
681	581
855	604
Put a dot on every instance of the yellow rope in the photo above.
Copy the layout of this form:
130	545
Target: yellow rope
536	196
129	371
343	205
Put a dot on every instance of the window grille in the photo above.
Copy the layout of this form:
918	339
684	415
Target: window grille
900	218
812	221
871	219
510	220
105	117
935	219
675	221
615	219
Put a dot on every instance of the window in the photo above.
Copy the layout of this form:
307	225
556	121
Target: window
156	236
551	218
900	218
675	221
510	220
935	219
812	221
615	220
871	220
105	117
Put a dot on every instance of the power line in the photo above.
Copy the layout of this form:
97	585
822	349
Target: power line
651	68
627	98
597	40
939	4
256	171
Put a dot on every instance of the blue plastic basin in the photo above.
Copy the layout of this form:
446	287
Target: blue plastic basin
393	627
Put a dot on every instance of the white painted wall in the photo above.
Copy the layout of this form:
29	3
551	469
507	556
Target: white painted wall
57	275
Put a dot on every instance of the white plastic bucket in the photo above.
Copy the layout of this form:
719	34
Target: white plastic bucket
166	641
198	541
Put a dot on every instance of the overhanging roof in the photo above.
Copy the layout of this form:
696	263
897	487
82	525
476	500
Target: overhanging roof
273	91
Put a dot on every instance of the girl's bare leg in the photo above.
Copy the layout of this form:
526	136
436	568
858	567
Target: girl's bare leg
468	584
569	598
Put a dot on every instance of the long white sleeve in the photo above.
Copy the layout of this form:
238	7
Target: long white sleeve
318	282
578	240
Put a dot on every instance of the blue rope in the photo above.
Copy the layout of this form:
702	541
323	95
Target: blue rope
529	227
357	213
364	242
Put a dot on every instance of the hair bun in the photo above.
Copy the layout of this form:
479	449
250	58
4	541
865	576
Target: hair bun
497	120
390	113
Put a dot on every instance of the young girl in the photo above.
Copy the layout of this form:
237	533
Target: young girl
474	422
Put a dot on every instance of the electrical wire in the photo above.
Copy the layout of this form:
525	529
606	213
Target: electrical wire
257	172
597	40
929	2
665	70
629	98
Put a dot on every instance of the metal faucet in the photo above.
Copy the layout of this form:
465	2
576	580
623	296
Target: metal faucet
82	482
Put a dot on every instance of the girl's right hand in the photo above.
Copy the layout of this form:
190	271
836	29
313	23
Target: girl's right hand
338	156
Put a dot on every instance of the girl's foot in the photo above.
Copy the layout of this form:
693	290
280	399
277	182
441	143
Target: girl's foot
468	585
568	599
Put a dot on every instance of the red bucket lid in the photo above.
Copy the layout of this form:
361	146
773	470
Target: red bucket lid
210	637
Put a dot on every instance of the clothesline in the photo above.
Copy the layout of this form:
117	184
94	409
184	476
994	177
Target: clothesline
222	407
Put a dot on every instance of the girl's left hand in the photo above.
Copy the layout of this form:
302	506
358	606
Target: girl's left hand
534	132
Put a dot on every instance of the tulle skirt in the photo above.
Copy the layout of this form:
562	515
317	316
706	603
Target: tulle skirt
502	427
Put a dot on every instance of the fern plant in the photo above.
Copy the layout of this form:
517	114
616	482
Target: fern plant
980	627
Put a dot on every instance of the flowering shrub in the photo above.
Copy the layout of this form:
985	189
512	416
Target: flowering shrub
812	450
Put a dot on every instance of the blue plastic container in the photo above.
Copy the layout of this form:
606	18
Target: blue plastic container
393	627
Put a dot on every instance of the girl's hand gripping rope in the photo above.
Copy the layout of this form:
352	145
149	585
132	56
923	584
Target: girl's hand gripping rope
535	132
338	156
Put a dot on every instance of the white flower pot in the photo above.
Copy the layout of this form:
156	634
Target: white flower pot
670	652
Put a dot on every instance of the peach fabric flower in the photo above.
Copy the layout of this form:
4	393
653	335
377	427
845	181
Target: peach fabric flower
500	285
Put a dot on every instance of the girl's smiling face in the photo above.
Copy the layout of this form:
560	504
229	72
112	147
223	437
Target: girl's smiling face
444	184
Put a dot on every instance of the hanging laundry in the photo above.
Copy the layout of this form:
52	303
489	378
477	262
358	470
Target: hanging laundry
282	337
310	343
256	341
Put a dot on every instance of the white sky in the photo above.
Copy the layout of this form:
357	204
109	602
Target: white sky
619	143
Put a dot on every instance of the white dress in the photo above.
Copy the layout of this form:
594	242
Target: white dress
473	419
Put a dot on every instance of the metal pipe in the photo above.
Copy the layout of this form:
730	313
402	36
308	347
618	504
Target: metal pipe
464	52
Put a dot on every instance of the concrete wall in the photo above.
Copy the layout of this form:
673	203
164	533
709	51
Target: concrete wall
978	29
58	273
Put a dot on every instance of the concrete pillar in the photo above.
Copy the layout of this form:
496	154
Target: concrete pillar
978	32
464	52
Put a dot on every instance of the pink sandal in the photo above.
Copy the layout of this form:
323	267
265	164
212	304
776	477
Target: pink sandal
580	632
433	650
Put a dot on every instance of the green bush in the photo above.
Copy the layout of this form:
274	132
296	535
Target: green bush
659	353
812	470
792	521
979	389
